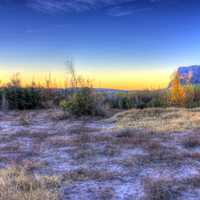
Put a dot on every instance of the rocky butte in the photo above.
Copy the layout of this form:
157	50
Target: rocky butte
189	74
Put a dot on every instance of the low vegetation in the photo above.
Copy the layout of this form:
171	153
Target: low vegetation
16	184
84	102
81	99
159	119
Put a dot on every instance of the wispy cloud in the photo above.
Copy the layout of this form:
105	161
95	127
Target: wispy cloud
121	11
112	7
33	30
57	6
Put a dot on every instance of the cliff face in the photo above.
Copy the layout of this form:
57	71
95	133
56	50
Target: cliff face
190	74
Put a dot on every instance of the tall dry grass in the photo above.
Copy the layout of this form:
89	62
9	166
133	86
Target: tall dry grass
16	184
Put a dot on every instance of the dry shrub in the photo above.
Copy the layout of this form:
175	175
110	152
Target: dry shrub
89	174
39	136
153	147
126	133
193	182
58	141
11	148
133	137
111	150
16	184
191	142
164	189
31	165
194	156
82	129
104	193
24	120
159	190
86	138
83	152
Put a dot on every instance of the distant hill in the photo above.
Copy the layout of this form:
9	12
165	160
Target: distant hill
110	91
189	74
98	90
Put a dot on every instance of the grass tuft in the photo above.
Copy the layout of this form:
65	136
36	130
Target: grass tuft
16	184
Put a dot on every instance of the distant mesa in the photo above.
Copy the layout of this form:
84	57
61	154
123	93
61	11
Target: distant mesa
111	91
189	74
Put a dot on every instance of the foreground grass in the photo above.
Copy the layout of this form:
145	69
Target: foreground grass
91	160
160	119
16	184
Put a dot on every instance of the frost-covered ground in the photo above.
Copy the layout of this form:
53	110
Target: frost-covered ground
96	161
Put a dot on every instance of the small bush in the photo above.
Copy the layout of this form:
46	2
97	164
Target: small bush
23	98
84	102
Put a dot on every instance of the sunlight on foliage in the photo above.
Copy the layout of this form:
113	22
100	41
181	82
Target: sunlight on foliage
177	93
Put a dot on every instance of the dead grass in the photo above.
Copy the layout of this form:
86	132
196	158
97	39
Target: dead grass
193	182
83	153
159	119
39	136
133	138
111	150
85	138
82	129
10	148
31	165
104	194
58	141
165	189
83	174
16	184
24	120
194	156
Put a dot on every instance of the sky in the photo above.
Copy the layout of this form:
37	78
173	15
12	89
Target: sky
121	44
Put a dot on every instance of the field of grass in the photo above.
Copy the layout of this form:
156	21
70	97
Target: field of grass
149	154
160	119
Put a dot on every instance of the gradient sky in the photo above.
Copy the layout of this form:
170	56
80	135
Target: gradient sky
125	44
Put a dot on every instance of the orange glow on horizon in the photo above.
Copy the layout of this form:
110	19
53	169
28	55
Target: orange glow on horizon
131	80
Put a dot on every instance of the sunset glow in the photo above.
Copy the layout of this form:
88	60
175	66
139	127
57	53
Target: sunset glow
117	80
117	44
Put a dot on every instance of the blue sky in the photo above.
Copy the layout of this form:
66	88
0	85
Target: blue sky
103	36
